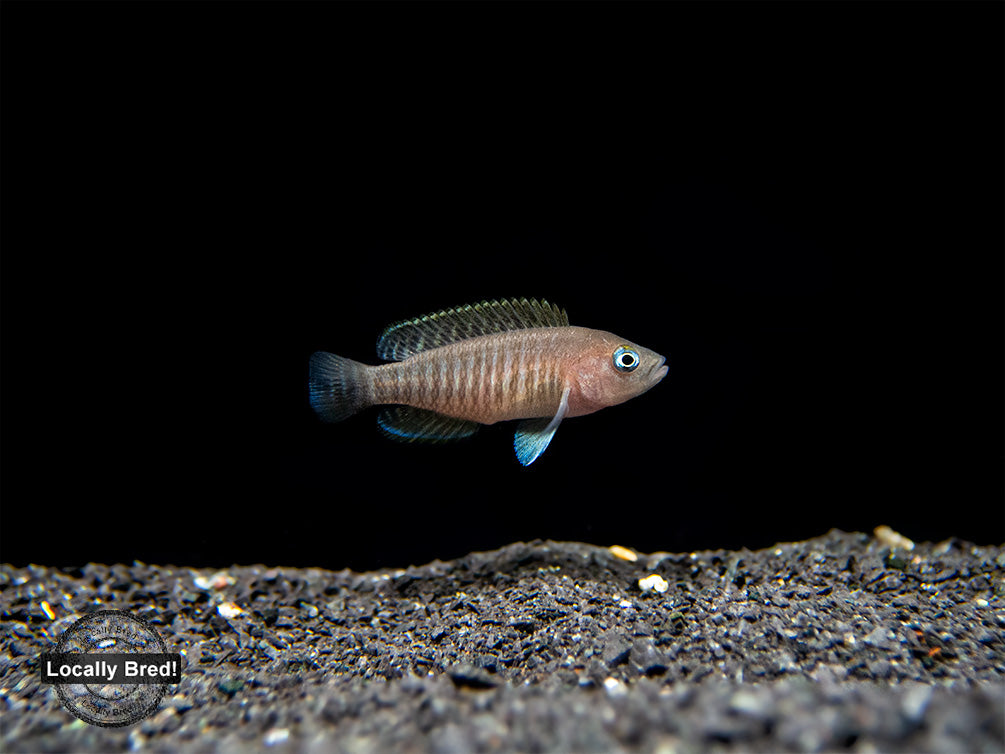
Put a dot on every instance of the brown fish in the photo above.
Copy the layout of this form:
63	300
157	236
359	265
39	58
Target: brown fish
484	363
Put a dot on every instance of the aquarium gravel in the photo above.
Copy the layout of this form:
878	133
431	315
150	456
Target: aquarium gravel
842	642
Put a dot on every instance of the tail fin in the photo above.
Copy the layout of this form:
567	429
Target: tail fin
338	387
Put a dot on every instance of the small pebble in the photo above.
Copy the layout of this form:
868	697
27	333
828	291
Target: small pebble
915	701
889	537
228	610
614	687
218	580
623	552
468	676
136	740
749	703
276	736
655	582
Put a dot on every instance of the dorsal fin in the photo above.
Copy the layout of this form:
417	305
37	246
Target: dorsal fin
407	338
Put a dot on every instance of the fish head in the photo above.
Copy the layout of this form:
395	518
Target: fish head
611	370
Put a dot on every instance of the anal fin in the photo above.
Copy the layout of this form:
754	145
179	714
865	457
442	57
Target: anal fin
409	424
533	435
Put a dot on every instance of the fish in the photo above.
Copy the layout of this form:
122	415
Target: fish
454	370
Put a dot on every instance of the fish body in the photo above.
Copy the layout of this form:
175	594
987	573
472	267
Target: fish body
495	361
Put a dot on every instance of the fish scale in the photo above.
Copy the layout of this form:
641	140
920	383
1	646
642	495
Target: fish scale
485	363
423	380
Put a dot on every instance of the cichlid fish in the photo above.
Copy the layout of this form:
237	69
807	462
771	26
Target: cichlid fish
484	363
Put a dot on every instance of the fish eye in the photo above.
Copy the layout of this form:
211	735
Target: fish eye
625	359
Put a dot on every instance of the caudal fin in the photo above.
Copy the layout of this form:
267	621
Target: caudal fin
338	386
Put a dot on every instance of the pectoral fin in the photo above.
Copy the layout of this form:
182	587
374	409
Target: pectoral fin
533	435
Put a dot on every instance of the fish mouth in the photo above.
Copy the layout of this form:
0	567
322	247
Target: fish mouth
659	371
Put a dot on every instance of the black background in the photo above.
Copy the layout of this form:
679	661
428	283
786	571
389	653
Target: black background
799	204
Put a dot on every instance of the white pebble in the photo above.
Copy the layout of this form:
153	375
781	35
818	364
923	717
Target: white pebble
228	610
915	702
614	687
276	736
218	580
654	582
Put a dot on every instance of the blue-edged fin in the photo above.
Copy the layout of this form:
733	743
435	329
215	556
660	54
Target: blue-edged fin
409	424
337	385
407	338
533	435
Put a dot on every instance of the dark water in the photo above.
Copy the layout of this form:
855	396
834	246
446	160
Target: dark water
800	206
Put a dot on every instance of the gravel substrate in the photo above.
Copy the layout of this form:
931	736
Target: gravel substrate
842	642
